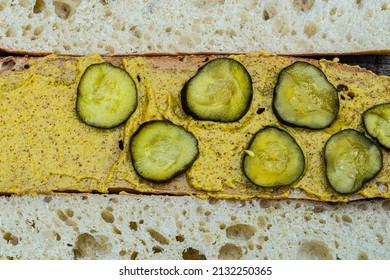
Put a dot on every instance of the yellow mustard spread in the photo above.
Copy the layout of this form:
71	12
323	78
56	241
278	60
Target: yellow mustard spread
46	148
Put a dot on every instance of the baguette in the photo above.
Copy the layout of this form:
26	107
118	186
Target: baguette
81	27
92	226
64	154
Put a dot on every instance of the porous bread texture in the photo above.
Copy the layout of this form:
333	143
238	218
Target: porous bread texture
95	226
120	27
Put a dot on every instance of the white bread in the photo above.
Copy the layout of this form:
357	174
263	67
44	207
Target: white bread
165	227
120	27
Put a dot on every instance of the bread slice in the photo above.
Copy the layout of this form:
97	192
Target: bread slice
81	27
143	227
64	154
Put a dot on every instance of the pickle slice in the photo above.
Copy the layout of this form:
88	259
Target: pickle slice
161	150
220	91
304	97
377	123
273	158
106	96
351	159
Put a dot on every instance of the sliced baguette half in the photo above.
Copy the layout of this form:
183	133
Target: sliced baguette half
46	148
140	227
81	27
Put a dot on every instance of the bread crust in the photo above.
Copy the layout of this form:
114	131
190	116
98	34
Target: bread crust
7	52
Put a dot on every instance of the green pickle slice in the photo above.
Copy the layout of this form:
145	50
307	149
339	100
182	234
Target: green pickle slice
106	96
351	159
220	91
304	97
377	123
161	150
273	158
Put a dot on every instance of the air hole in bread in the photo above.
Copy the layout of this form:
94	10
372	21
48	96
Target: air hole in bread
346	218
72	224
314	250
39	6
362	256
26	29
1	7
264	203
158	237
57	236
278	205
333	11
240	232
180	238
133	255
261	221
69	212
119	26
266	15
24	3
303	5
116	230
109	49
380	238
222	226
192	254
10	238
230	251
251	245
11	32
318	209
64	9
386	205
384	6
86	247
262	239
107	216
47	198
199	210
311	29
63	217
157	249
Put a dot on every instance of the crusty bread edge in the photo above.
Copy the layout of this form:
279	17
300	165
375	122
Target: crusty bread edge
5	52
